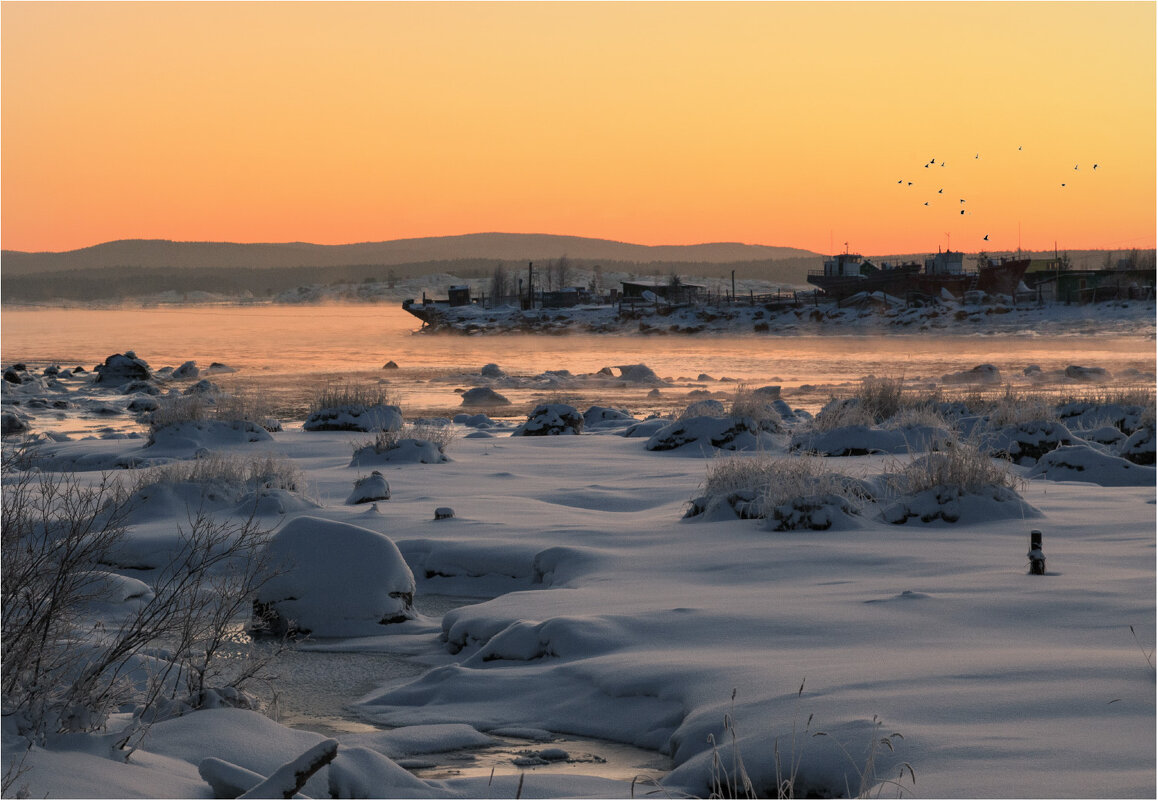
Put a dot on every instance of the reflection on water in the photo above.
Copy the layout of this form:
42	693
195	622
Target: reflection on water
287	353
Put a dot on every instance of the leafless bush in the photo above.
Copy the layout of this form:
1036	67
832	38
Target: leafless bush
63	673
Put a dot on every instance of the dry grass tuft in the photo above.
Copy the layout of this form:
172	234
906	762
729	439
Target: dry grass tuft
962	463
338	395
253	472
440	435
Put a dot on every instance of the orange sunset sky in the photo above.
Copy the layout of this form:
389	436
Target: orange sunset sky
657	123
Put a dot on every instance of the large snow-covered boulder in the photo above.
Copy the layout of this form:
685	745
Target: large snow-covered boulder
355	417
120	368
1083	463
335	580
406	450
551	419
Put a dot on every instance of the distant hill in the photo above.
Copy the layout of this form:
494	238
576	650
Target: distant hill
161	253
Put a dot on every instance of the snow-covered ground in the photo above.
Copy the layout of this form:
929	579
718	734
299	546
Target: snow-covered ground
604	612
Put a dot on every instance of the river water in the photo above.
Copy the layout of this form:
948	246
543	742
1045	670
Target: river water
287	353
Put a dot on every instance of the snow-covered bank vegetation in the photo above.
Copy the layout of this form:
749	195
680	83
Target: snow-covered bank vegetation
671	598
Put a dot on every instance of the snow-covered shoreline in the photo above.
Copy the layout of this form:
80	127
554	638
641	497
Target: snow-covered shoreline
610	614
992	317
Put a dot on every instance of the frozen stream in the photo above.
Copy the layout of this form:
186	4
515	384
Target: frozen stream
315	687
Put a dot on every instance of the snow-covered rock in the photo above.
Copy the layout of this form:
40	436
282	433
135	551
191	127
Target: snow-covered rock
551	419
187	370
192	435
403	451
492	370
1139	447
355	417
606	417
336	580
813	513
951	504
1025	443
1087	375
981	374
483	396
370	488
859	440
121	368
1083	463
706	433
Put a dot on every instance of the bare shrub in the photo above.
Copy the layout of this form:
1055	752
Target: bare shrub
60	672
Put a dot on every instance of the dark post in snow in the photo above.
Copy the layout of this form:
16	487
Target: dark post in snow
1036	556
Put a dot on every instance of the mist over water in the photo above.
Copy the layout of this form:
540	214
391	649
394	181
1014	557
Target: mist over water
287	353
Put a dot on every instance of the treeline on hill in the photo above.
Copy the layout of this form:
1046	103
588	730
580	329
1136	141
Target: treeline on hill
112	284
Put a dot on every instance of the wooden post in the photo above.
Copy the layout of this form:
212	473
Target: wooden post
1036	555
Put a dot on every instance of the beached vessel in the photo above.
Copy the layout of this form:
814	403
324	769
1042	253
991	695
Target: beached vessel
849	273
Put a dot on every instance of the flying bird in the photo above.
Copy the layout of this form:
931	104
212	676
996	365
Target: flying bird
1095	166
1063	184
1019	147
962	200
939	191
926	203
942	164
987	237
962	211
977	156
1075	166
910	183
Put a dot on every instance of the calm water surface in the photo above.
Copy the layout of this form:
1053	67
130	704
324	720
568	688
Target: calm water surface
287	353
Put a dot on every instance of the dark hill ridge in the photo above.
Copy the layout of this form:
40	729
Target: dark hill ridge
150	253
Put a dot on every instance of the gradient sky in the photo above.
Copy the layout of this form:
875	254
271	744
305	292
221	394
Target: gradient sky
658	123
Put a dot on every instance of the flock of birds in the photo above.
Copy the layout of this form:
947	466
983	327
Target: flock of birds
961	202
